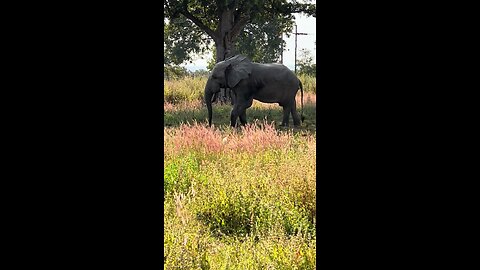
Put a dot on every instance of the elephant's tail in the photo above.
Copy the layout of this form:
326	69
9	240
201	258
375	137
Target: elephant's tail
301	92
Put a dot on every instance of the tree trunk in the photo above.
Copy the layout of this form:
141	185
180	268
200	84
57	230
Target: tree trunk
227	31
225	48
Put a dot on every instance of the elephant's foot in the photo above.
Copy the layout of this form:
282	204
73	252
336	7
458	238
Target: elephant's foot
238	124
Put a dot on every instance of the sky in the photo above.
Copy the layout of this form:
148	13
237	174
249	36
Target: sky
305	24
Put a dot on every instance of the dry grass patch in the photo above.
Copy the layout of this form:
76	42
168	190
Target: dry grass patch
254	137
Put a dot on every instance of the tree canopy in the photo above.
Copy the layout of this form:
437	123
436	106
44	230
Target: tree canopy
250	27
305	63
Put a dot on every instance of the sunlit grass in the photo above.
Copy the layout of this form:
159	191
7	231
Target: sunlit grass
190	89
309	83
187	89
238	198
196	111
243	198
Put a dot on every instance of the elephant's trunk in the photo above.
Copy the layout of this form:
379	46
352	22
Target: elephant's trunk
208	101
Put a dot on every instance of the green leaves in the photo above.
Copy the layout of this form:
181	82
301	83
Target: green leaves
182	40
262	40
259	38
305	63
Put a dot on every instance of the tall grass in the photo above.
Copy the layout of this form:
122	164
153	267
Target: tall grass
309	83
239	199
190	112
187	89
256	137
190	89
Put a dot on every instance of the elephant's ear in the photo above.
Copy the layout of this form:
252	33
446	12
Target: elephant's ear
239	68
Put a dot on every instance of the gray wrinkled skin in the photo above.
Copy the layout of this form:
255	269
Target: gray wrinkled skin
269	83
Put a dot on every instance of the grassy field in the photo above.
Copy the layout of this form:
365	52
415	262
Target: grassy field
239	198
191	89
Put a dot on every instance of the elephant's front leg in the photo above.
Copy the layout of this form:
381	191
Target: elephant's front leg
233	117
236	111
286	114
240	110
243	117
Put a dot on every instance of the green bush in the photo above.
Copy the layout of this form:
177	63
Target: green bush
178	174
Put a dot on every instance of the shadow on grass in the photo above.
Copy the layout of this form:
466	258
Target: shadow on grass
221	117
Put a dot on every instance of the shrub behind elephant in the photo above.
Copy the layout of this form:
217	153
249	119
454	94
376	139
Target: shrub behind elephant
269	83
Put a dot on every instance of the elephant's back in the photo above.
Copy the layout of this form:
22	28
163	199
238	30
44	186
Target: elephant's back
274	71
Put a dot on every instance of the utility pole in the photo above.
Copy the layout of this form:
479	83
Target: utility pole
281	45
296	34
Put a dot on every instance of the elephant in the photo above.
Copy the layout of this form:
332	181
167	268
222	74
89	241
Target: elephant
269	83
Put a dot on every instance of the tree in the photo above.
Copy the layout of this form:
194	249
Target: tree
200	73
181	41
305	63
233	25
172	72
262	40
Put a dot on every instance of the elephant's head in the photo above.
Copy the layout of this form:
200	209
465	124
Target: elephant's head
226	74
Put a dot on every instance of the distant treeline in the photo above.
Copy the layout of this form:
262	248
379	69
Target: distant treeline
177	72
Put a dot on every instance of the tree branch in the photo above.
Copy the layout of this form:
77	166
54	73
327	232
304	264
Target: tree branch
238	27
290	8
196	21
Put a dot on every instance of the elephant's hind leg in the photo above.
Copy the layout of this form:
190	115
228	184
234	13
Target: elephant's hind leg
295	115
